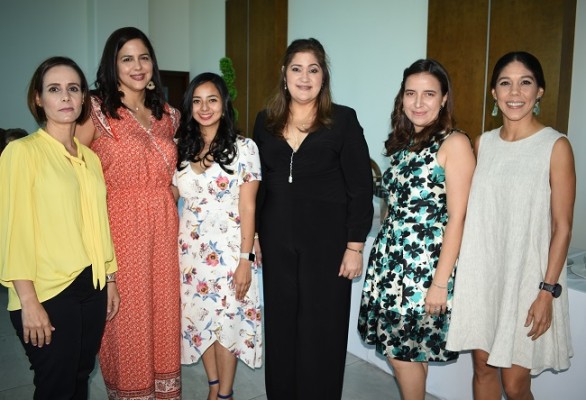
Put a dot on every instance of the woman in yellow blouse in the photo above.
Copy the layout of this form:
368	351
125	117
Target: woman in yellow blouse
56	253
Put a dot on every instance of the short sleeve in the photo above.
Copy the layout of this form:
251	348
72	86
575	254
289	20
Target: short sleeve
17	232
99	118
248	161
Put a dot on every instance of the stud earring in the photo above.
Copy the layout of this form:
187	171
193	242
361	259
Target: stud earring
537	107
495	109
151	85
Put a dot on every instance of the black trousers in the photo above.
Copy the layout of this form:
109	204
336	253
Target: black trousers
307	308
62	368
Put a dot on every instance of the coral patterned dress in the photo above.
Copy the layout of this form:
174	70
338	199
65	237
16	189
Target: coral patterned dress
209	252
139	357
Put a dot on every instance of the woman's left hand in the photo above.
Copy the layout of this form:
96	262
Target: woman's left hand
351	266
540	314
436	300
113	300
242	279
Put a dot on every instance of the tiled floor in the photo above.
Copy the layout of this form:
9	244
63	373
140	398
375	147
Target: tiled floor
362	380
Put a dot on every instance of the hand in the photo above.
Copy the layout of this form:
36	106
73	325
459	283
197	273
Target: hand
436	300
242	279
540	314
113	300
257	253
36	326
351	266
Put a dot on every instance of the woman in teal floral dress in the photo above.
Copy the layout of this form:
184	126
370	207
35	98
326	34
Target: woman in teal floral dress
218	173
406	300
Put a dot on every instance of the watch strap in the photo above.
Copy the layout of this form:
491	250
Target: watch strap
248	256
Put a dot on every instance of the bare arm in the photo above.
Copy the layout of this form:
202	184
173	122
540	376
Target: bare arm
246	208
36	325
86	132
458	161
562	177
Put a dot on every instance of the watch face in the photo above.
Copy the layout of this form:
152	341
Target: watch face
557	290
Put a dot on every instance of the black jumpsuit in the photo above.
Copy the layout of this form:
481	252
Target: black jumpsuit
304	227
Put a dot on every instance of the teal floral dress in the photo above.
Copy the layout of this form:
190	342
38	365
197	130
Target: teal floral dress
403	260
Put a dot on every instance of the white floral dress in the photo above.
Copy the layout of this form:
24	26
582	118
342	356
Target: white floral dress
209	252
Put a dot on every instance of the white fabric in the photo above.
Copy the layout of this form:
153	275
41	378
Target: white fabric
504	255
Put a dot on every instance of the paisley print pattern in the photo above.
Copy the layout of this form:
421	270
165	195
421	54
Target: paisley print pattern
403	260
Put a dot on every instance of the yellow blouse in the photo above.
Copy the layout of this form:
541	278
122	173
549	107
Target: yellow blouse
53	217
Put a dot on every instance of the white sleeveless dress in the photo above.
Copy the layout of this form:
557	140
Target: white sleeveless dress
504	254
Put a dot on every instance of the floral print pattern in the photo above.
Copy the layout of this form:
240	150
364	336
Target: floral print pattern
209	252
403	260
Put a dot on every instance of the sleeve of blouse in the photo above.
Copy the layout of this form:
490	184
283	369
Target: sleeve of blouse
17	233
99	118
248	162
259	125
355	162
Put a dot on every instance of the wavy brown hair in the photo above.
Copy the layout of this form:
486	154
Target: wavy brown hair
402	134
278	104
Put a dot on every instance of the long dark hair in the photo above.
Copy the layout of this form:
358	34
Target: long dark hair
189	140
107	76
35	88
278	104
402	134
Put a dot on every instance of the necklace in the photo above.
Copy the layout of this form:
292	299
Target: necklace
294	149
133	109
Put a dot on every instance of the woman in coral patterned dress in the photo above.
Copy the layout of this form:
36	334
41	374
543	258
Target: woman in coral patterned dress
217	175
131	130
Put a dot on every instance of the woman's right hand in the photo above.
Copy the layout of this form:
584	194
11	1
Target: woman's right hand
36	326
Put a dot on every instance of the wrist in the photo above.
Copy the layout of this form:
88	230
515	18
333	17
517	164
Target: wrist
440	286
355	250
110	278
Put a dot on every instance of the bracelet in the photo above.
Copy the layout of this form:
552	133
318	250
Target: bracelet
438	286
110	278
355	250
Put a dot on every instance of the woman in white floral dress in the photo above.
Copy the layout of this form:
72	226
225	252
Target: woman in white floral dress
218	173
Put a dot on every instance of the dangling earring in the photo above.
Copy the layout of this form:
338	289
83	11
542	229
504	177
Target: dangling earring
495	109
536	107
285	84
151	85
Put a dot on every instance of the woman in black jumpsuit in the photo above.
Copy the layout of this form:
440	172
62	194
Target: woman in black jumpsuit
315	211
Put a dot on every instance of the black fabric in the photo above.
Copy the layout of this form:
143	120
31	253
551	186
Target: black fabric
62	368
304	227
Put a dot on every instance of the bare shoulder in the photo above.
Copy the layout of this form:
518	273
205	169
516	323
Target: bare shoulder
562	154
457	141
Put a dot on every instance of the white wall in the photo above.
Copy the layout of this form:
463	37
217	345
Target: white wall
577	124
369	44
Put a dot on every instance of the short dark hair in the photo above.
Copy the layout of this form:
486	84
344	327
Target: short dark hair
527	59
107	75
36	88
189	140
401	136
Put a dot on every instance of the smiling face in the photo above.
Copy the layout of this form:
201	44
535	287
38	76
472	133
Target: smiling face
134	66
207	107
62	97
516	91
304	78
422	99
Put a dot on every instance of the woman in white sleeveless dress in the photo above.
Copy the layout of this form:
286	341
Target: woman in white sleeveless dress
510	302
